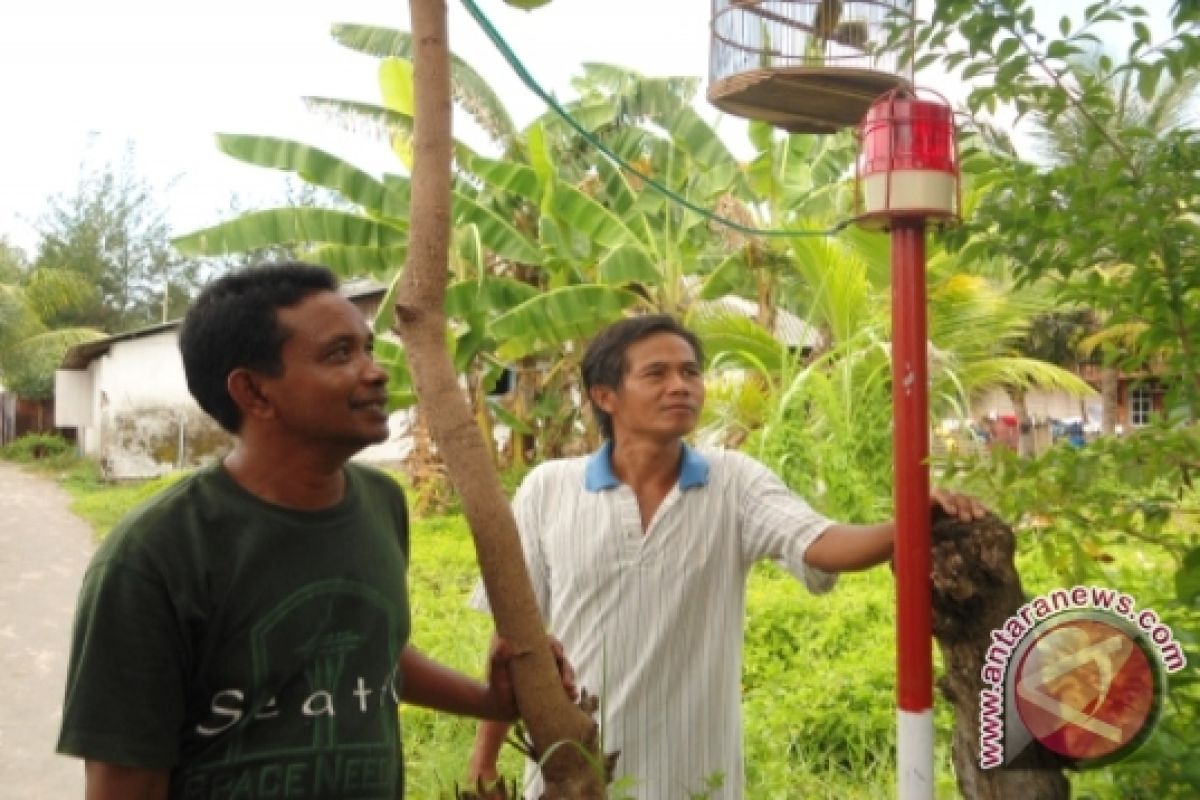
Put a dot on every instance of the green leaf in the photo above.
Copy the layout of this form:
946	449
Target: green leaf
508	176
380	122
396	85
616	187
725	279
1148	75
313	166
1187	579
508	418
629	264
471	92
356	261
390	355
1007	48
595	221
541	161
495	232
282	226
385	317
549	320
1061	49
700	141
732	340
491	294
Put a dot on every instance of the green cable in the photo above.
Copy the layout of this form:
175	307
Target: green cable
548	99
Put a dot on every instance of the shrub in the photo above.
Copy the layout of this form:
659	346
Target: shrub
37	447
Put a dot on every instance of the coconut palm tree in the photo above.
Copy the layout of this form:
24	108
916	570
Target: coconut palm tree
30	350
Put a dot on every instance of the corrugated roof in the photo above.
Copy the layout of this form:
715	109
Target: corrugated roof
79	356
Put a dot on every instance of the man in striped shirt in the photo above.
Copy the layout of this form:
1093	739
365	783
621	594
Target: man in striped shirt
639	556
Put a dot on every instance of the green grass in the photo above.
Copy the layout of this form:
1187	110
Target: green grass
818	688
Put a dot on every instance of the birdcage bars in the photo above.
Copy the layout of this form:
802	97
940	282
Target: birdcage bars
811	66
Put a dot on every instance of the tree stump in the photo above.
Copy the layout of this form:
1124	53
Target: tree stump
976	588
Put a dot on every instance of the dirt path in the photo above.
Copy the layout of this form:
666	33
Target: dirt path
43	552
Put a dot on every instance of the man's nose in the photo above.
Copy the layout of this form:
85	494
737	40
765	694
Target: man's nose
679	383
373	373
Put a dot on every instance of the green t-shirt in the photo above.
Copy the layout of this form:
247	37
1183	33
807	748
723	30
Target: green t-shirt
248	648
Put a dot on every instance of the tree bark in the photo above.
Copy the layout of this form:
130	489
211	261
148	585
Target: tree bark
976	588
548	712
1110	399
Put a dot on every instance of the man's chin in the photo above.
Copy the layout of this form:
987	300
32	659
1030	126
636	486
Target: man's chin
369	438
683	430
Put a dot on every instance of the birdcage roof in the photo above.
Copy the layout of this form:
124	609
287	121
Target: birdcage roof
802	99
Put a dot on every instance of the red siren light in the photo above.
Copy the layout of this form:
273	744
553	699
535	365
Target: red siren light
908	161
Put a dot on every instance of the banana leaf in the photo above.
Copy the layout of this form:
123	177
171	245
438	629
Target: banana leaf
550	320
281	226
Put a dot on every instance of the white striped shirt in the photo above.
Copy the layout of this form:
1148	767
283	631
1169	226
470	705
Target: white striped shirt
653	620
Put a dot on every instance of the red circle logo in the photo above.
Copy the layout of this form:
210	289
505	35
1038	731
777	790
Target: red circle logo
1085	689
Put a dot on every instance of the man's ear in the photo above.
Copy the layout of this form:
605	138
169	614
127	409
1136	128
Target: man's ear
604	397
246	389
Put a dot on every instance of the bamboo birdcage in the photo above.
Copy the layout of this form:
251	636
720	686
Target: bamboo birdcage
807	66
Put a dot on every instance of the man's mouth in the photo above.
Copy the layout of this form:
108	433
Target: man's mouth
378	404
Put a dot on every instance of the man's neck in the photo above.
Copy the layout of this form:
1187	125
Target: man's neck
287	477
642	464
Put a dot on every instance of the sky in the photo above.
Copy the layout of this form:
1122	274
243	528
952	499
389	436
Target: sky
83	81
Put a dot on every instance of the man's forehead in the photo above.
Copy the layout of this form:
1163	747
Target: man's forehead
324	315
661	347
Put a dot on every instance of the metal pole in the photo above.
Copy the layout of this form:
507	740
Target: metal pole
913	554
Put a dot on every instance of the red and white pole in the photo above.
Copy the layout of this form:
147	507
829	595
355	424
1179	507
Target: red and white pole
907	174
914	592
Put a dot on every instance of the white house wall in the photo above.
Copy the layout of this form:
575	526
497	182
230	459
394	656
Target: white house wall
139	419
147	417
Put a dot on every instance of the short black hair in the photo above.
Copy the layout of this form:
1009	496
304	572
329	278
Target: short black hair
604	362
233	324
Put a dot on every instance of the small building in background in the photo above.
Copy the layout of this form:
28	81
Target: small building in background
126	399
21	416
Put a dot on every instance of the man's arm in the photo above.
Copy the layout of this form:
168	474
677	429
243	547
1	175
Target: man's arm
105	781
432	685
489	738
848	548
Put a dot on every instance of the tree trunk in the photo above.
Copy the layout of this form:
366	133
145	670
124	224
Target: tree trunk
1110	399
976	589
548	712
1025	447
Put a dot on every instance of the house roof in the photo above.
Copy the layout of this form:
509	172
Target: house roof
79	356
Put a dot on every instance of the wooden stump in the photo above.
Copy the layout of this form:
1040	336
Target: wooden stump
976	588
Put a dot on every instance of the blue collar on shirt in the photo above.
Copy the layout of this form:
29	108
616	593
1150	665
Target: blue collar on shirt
599	475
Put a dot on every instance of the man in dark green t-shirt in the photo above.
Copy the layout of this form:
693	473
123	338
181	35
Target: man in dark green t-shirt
245	633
